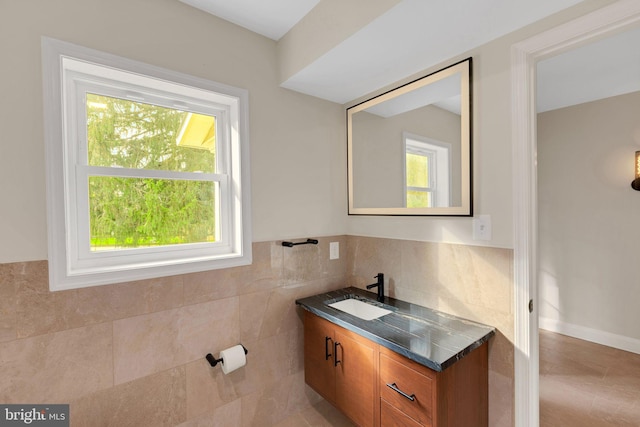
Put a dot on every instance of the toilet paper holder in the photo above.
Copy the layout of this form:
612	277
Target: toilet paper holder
213	361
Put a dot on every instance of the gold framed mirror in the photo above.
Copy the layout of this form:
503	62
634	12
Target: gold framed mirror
409	149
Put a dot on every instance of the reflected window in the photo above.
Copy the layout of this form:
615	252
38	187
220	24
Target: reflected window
428	172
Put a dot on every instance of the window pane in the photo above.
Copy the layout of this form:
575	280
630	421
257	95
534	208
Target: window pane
417	170
418	199
129	134
137	212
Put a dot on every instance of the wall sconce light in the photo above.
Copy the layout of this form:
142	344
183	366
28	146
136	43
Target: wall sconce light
635	184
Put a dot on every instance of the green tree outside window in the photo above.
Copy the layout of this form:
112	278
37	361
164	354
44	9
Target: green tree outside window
134	212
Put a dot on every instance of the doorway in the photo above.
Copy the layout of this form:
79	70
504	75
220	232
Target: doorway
588	101
616	17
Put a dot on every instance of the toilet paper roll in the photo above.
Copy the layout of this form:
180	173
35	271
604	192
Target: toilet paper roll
233	358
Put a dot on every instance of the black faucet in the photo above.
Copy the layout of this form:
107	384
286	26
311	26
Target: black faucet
380	285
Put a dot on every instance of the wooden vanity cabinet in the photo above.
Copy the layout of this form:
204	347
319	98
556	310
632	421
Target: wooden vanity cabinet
342	367
375	386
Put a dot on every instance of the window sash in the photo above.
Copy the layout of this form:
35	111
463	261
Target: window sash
77	114
82	231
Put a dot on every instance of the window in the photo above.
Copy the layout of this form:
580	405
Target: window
147	170
427	172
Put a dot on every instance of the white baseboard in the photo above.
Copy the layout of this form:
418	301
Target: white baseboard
599	337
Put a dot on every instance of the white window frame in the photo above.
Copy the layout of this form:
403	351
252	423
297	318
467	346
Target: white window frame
438	155
69	72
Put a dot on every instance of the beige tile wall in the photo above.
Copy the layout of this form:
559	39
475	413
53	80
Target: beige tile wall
469	281
132	354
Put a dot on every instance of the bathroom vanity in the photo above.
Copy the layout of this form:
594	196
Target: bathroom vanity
409	366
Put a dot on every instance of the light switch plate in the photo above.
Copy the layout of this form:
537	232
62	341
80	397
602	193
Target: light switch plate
334	250
482	227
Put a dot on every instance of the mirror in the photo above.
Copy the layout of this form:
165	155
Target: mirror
409	149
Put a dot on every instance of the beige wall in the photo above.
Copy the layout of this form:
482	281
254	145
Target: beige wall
298	151
588	215
297	142
468	281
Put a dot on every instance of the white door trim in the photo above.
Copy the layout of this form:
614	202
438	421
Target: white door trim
525	55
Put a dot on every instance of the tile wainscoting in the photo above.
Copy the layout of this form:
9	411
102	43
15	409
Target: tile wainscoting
132	354
472	282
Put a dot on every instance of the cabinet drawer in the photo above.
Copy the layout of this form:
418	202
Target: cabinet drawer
410	382
391	417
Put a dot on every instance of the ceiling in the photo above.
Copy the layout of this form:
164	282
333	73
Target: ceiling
605	68
414	35
271	18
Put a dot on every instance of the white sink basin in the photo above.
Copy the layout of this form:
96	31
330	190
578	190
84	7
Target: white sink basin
360	309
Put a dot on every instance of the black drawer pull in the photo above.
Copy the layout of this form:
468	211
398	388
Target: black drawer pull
327	355
395	388
335	354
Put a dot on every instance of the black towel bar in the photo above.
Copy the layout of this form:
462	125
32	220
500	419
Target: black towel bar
308	242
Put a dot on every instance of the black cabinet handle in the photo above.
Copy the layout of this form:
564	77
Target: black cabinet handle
395	388
327	355
335	354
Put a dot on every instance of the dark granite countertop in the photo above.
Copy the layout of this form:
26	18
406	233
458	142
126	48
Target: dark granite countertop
432	338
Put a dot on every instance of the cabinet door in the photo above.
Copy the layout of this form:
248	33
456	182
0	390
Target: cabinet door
356	377
319	371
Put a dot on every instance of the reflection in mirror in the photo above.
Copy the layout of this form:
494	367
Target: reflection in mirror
409	149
